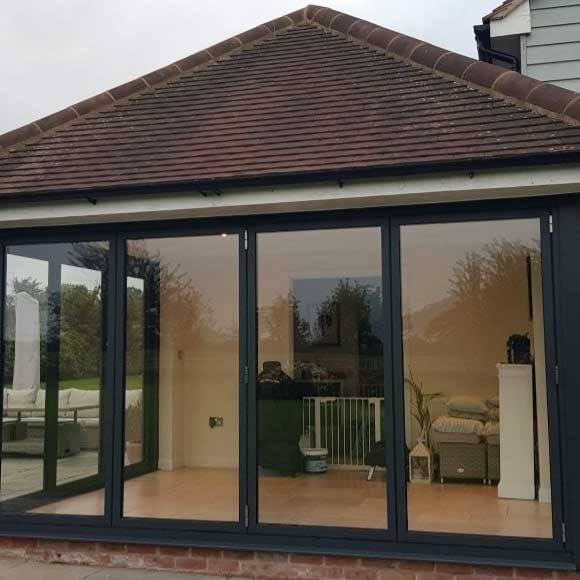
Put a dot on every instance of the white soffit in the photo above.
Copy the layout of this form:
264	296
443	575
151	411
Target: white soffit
393	191
519	21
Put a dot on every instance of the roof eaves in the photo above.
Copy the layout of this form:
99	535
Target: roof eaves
33	131
502	11
541	97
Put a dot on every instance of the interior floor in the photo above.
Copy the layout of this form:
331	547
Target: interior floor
337	498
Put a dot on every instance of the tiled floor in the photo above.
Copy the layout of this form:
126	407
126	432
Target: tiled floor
338	498
18	570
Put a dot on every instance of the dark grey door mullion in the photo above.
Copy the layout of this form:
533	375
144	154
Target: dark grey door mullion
52	374
552	376
388	387
117	390
2	343
397	373
243	380
251	336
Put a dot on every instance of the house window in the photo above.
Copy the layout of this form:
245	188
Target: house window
55	308
475	378
181	448
320	379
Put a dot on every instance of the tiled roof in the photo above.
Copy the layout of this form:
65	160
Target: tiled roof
503	10
315	92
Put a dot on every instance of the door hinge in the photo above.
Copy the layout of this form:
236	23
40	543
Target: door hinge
246	375
246	516
557	374
563	532
551	222
245	239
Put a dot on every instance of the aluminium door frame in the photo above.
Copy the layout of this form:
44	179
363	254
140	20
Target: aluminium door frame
46	237
416	217
184	229
292	224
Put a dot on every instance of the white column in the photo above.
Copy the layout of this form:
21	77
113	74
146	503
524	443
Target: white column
516	409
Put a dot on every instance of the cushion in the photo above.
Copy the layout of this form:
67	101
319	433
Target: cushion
468	438
493	414
82	398
133	398
21	398
490	428
446	424
467	405
40	402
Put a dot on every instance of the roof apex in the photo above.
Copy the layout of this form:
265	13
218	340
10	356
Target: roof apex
542	97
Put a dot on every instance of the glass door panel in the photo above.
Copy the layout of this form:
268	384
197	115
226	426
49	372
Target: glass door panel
320	379
54	340
182	378
474	356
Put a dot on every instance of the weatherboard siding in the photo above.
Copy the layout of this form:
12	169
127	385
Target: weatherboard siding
552	50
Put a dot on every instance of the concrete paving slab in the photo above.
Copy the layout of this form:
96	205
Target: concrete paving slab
40	571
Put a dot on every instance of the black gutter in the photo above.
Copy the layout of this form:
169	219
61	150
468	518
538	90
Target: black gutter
488	54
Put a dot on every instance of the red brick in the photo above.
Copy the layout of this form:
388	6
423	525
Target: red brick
306	559
377	563
534	573
24	543
496	571
238	555
416	566
176	551
462	569
222	566
191	563
395	574
82	546
160	562
434	576
341	561
141	549
272	556
112	548
205	553
361	574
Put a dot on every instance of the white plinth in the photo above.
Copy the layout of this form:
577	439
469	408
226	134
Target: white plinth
516	419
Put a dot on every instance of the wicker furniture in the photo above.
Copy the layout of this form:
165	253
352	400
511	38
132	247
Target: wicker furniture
462	461
493	470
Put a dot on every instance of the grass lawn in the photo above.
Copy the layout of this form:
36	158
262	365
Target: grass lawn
93	383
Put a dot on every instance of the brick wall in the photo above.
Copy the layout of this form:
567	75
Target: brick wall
239	564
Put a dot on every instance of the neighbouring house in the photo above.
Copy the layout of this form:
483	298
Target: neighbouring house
313	291
539	38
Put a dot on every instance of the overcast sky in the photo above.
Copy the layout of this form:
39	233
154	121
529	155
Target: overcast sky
54	53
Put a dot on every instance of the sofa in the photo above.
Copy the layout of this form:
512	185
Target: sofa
78	419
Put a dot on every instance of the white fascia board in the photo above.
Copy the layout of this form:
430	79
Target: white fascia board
394	191
517	22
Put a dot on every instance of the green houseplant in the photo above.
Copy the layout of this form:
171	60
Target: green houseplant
421	410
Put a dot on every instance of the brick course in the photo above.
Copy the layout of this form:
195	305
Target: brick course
264	565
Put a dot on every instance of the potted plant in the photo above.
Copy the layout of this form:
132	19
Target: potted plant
421	406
